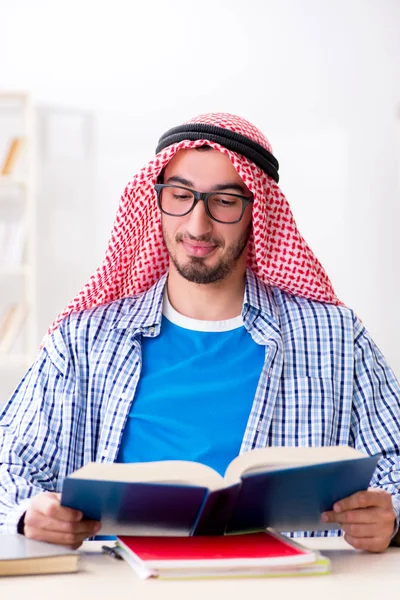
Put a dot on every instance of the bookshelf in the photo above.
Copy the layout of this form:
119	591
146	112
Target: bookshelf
18	304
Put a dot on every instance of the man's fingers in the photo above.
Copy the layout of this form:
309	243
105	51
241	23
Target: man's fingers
353	516
40	521
46	520
72	540
364	499
63	513
371	544
50	506
362	530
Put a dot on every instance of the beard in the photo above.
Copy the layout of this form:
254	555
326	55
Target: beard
196	269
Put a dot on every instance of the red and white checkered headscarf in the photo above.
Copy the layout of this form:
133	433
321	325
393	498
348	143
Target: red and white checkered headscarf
136	256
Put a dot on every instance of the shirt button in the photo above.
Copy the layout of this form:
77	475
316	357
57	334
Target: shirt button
124	396
152	330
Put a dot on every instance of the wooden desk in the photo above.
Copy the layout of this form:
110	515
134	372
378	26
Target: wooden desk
355	575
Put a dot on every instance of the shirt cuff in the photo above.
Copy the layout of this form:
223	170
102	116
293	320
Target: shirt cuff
14	515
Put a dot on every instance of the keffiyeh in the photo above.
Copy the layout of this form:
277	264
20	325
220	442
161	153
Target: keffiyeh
136	256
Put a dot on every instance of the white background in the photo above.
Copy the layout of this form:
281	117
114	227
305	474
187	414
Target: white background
321	78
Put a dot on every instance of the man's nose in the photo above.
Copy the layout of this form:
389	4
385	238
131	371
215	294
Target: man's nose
199	223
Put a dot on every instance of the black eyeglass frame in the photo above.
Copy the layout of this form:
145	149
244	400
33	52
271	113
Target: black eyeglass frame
197	196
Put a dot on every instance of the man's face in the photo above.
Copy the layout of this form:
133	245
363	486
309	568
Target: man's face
201	249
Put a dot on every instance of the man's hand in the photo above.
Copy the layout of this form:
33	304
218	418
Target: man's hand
47	521
367	519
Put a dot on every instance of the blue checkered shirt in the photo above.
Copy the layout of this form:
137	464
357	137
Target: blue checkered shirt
324	382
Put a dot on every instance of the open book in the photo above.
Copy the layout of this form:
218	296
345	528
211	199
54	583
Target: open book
282	487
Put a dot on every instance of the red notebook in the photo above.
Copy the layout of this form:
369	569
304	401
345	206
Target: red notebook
254	553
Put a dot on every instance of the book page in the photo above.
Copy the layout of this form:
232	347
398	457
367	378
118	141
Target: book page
280	457
169	471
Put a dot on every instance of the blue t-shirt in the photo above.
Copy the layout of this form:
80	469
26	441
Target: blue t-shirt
195	392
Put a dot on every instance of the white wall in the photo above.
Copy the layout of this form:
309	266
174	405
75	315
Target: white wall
320	78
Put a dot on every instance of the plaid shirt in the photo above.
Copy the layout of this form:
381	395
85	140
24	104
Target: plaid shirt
324	382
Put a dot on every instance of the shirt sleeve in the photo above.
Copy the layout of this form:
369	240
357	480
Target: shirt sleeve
375	424
30	437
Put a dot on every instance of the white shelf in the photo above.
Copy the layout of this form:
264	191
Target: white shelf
9	181
21	293
13	94
12	270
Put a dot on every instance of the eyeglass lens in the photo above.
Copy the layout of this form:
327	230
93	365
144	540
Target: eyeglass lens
223	207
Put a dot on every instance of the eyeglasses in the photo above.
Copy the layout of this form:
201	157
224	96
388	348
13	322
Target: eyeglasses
178	201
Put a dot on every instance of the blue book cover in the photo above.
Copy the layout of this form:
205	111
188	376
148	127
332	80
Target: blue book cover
293	499
134	508
287	498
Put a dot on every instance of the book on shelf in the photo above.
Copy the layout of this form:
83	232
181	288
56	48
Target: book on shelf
22	556
13	154
286	488
11	324
266	554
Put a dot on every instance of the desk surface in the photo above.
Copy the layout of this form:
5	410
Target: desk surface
101	576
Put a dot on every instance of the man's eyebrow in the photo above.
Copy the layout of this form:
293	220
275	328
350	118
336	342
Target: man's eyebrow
177	179
216	188
230	186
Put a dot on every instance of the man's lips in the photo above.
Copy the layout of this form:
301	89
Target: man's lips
198	248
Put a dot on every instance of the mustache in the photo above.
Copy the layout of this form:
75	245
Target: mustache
206	239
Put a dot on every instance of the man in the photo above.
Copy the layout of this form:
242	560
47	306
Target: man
210	329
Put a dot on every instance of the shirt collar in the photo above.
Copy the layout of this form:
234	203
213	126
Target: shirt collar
146	313
259	299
